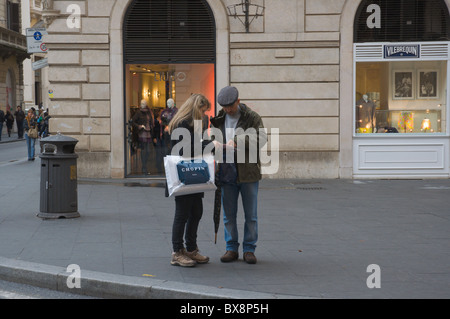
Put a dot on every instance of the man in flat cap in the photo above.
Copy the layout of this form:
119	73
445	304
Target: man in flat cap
243	130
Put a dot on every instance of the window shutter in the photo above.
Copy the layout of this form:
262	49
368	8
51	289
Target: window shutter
13	16
404	20
169	31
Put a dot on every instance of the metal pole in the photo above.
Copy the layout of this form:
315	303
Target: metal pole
247	22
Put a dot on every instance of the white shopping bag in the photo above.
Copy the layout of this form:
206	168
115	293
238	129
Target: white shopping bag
175	187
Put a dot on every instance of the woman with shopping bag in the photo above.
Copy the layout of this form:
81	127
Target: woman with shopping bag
188	208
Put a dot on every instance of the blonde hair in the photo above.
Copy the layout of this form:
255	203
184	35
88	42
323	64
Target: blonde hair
190	111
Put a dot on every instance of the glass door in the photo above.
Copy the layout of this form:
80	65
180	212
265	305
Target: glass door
154	92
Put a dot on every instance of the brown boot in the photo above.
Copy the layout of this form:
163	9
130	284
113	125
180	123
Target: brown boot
180	259
196	256
229	256
249	257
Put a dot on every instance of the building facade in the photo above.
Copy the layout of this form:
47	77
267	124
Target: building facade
332	79
13	51
32	79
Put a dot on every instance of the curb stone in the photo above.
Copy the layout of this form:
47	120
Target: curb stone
104	285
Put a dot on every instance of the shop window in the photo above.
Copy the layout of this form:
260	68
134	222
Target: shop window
401	97
169	53
154	85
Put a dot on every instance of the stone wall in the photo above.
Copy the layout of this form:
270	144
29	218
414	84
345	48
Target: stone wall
286	68
79	76
288	71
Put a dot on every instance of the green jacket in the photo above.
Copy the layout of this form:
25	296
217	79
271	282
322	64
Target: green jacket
249	133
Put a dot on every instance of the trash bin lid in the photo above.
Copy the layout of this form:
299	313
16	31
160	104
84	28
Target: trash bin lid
59	138
58	145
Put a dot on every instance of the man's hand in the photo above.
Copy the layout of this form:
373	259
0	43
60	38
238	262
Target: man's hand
231	143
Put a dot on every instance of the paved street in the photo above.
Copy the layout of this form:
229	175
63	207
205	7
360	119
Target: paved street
317	237
10	290
11	152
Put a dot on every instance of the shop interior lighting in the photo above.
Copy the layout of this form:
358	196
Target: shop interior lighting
426	125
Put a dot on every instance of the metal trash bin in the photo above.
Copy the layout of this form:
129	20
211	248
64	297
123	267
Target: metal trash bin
59	194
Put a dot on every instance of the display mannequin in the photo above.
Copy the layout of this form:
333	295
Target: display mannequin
366	114
143	123
166	116
169	112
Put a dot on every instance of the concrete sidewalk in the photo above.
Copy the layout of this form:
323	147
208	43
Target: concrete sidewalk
316	240
7	139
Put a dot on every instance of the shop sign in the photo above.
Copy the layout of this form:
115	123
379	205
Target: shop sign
39	64
402	51
166	76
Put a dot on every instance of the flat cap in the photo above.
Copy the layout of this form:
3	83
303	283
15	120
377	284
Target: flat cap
227	96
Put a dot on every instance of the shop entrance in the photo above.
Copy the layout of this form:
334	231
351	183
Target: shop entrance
169	54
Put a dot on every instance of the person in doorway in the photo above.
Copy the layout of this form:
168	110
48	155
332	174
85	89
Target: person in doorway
188	208
143	122
240	126
9	122
20	116
28	123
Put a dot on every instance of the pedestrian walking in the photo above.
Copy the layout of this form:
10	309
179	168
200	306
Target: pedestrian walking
188	208
20	117
30	127
9	122
2	120
43	132
239	126
40	119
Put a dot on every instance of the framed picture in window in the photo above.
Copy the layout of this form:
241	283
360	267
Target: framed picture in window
403	85
428	84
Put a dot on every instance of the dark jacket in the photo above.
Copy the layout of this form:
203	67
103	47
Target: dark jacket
195	137
140	118
9	118
33	123
249	171
20	116
44	126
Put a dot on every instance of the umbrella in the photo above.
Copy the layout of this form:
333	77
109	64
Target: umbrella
217	208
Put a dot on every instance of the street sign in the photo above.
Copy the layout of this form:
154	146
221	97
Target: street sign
35	40
39	64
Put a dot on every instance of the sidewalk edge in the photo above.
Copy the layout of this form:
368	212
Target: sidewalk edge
104	285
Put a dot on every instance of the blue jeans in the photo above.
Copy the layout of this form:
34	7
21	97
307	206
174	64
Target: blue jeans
30	146
249	194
